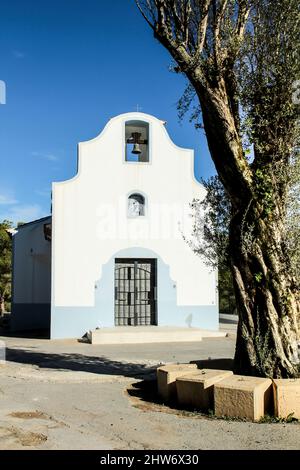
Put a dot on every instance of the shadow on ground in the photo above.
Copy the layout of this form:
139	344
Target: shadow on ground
220	364
144	393
96	364
78	362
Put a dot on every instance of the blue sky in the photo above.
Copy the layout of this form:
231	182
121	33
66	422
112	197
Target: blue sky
69	66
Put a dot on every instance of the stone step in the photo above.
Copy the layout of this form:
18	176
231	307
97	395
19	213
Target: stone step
149	334
167	376
287	398
245	397
196	389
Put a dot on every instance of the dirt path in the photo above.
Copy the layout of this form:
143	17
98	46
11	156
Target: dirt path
69	396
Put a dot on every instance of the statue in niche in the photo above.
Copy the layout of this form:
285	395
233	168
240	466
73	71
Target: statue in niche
135	205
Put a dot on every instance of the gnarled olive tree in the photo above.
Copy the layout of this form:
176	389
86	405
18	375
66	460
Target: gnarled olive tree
241	59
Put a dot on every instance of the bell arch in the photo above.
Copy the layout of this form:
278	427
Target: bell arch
137	141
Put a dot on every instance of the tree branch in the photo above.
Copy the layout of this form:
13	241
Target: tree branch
149	9
202	27
244	11
219	15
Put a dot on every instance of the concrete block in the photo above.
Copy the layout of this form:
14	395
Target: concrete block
196	389
167	375
145	334
243	397
287	397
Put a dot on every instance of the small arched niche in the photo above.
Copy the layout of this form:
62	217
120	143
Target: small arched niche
136	141
136	206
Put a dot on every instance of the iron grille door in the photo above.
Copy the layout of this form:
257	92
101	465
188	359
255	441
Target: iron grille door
135	292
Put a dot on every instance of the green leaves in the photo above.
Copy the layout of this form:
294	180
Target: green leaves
264	192
211	224
5	261
267	68
211	237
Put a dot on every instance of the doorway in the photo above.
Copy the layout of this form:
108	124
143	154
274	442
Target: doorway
135	292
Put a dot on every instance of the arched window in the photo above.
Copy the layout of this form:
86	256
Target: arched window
136	205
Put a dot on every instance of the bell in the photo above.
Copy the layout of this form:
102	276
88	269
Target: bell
136	149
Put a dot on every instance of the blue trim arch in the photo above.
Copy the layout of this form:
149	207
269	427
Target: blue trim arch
72	322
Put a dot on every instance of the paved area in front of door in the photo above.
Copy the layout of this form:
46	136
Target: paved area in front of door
70	395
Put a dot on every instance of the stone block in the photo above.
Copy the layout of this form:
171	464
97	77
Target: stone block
167	375
196	389
287	397
243	397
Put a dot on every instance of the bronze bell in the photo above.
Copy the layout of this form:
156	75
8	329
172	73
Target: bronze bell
136	149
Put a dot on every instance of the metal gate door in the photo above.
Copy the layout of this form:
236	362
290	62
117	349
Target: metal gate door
135	291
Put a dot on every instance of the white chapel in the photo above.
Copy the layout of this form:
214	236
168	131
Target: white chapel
114	251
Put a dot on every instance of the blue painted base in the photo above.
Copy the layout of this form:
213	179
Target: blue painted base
73	322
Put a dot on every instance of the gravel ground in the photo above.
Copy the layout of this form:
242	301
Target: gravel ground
71	395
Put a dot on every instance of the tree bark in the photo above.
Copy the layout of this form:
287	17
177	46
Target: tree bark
267	298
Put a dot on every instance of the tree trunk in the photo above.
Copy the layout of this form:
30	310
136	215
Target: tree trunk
266	295
267	299
206	48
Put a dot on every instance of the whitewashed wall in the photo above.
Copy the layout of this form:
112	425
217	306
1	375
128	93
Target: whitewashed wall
31	293
90	224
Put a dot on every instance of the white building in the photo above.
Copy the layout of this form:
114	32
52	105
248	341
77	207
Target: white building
113	252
